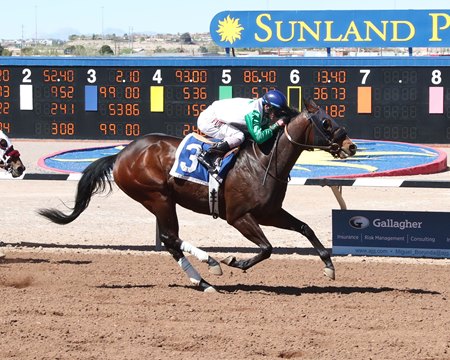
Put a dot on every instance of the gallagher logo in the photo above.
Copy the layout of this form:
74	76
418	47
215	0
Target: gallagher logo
359	222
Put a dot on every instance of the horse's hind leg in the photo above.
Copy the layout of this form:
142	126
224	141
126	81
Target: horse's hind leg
213	265
172	244
284	220
168	229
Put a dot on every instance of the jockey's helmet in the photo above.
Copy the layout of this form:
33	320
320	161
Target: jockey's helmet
275	98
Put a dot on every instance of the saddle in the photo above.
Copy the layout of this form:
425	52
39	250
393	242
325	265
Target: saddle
187	166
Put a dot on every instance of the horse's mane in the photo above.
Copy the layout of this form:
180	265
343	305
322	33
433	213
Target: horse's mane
266	147
291	112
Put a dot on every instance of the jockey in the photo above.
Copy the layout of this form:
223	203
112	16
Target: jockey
7	151
5	144
230	119
4	141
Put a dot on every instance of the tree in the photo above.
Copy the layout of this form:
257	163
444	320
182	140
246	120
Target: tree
75	50
186	38
106	50
80	50
160	49
126	51
27	51
70	50
4	51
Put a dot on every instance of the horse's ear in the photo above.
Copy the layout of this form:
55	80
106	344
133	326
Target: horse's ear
310	105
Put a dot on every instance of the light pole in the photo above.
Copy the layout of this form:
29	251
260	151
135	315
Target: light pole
35	25
103	35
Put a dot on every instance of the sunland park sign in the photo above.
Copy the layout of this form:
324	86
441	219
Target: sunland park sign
384	28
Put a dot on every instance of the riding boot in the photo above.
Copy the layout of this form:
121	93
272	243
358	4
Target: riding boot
211	158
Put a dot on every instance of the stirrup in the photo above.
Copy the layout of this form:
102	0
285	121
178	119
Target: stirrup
212	170
211	167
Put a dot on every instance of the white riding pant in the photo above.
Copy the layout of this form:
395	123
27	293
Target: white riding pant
211	126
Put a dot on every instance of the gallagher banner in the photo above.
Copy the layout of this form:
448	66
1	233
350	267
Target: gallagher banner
391	233
343	28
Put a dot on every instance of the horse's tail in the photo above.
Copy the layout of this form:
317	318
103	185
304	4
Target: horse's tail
94	180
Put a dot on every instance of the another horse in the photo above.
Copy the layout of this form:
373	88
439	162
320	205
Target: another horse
9	157
251	195
9	161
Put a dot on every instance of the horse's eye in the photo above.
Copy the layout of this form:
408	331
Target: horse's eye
326	124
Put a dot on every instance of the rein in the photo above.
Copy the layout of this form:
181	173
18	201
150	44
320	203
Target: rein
266	168
332	147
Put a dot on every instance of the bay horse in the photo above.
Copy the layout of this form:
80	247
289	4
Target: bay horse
9	157
251	195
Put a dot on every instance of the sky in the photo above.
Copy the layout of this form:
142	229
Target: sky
30	19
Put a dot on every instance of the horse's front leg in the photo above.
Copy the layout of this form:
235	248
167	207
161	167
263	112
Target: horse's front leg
284	220
249	227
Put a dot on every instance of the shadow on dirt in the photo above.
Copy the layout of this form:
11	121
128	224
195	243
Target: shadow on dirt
41	261
145	248
297	291
124	286
23	261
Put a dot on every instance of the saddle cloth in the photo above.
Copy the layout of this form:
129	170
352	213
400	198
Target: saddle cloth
186	165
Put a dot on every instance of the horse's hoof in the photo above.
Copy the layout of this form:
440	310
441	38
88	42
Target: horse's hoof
215	270
210	289
329	272
206	287
214	267
229	260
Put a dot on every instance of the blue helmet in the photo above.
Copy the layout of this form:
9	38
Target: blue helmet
275	98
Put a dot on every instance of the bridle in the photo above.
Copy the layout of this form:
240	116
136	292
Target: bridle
316	120
331	138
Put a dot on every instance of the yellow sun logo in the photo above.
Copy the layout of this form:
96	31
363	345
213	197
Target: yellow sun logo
229	29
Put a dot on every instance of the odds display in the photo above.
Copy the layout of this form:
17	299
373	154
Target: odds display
402	100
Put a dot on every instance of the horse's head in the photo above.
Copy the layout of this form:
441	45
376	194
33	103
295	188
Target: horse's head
320	131
9	157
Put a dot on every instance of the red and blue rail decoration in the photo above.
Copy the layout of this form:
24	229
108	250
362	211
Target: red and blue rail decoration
374	158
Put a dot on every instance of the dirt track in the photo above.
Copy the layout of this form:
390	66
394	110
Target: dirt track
103	304
115	306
